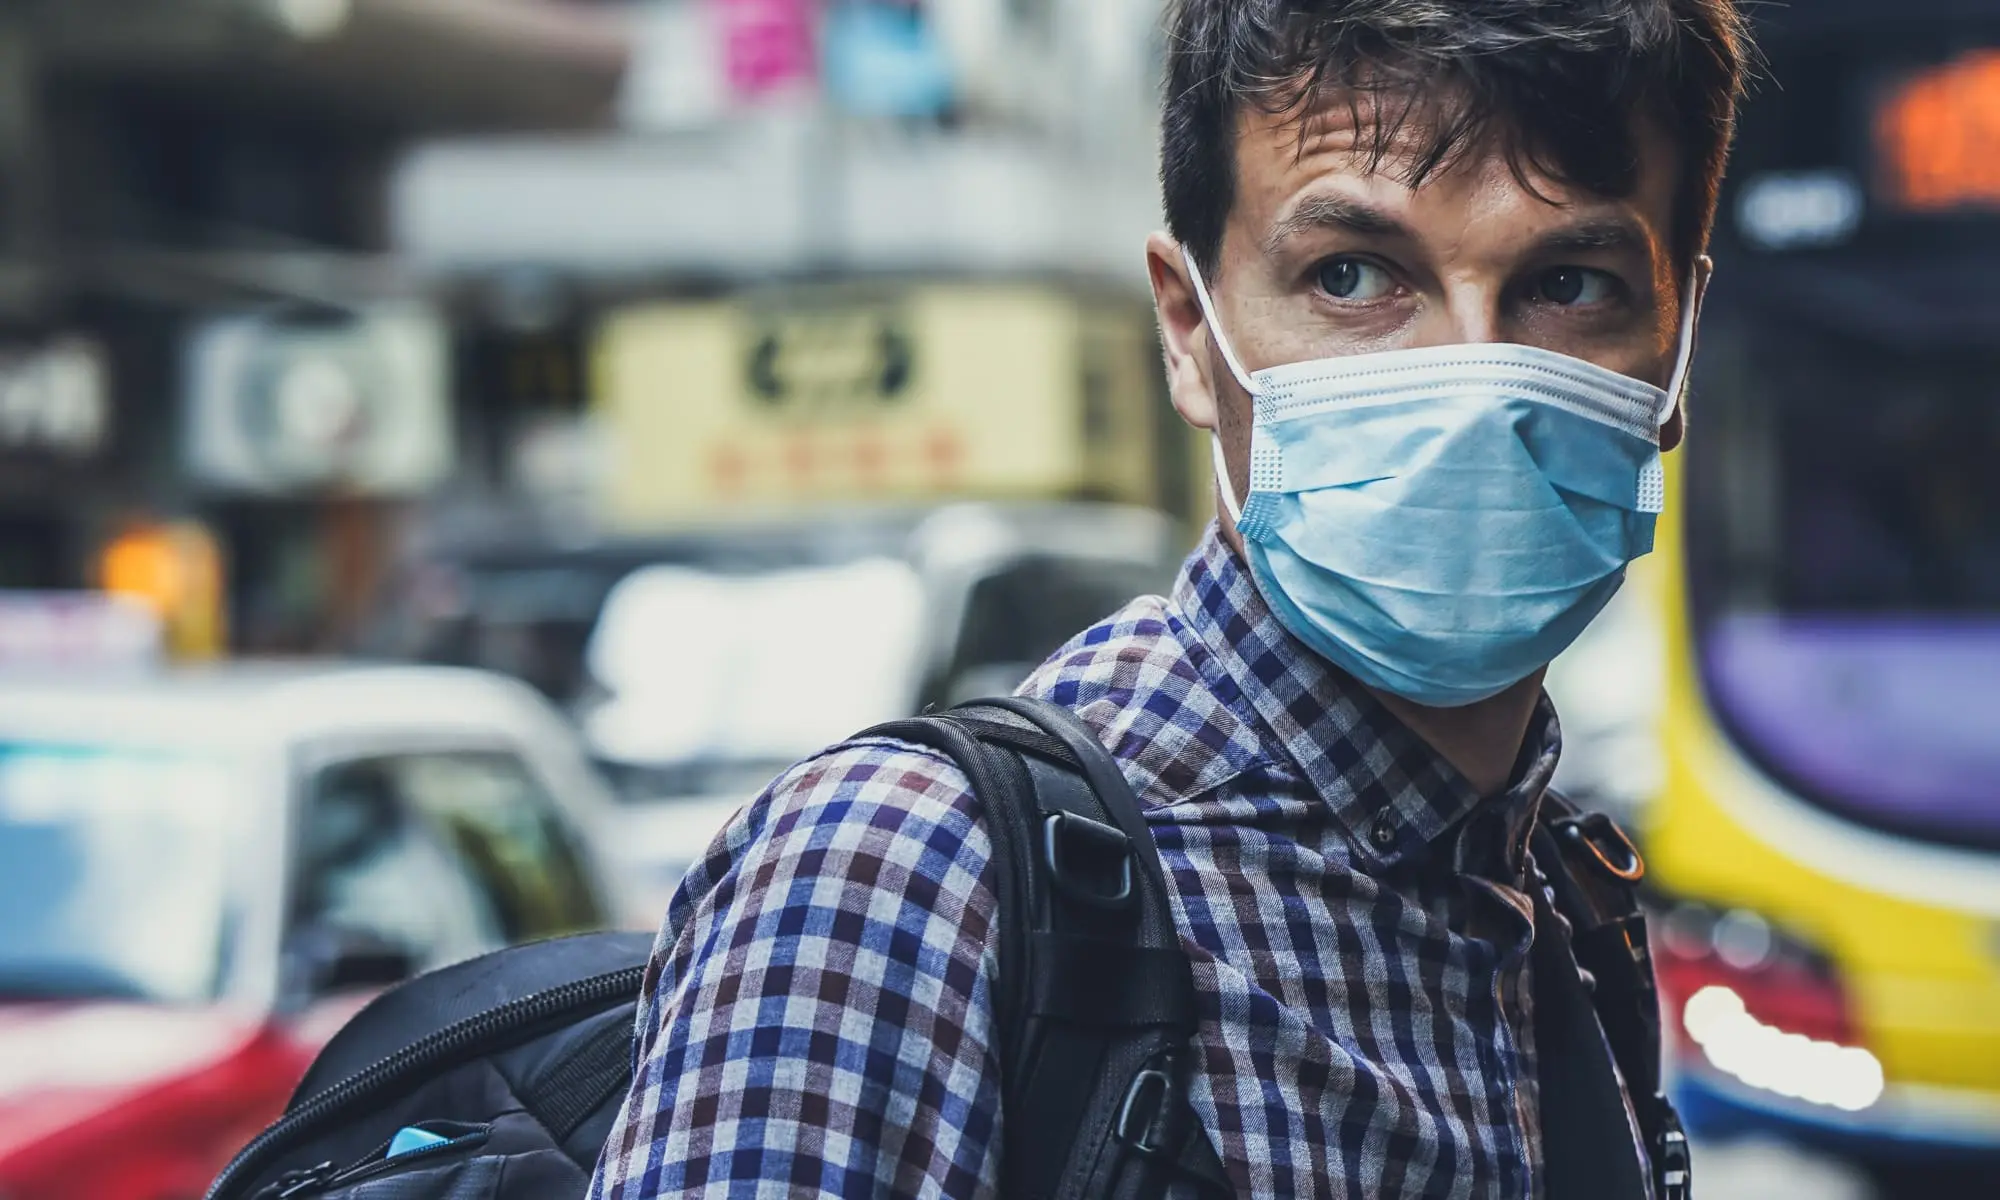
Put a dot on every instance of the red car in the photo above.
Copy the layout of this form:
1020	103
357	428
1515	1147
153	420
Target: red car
201	877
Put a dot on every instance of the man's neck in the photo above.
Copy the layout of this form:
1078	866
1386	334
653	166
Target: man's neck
1482	740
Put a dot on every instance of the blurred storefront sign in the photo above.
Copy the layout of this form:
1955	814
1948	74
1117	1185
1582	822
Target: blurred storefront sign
1937	136
768	46
54	400
883	59
69	450
925	391
1792	210
358	406
70	630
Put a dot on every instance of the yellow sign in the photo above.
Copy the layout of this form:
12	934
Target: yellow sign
829	364
1938	136
842	393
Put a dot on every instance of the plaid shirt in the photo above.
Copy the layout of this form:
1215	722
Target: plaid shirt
818	1017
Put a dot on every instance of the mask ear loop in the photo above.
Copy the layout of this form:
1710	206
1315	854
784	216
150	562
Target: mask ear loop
1684	358
1229	503
1215	327
1652	492
1243	380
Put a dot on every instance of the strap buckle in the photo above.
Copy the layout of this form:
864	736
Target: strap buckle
1672	1164
1606	842
1088	861
1143	1116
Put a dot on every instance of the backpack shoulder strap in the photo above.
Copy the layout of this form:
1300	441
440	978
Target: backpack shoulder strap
1592	873
1096	1006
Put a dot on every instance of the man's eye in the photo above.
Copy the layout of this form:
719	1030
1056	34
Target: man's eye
1576	286
1354	279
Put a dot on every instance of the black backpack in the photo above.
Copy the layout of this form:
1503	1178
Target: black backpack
499	1078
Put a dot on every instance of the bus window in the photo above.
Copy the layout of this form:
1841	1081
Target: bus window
1844	527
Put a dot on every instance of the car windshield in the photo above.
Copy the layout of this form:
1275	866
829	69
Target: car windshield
113	871
530	619
715	679
1845	555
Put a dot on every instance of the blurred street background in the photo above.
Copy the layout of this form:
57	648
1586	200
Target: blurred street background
454	452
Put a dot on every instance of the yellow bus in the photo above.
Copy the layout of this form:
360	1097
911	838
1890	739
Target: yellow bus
1827	834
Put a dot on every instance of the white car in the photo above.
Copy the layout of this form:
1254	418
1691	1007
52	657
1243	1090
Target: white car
757	644
434	811
204	873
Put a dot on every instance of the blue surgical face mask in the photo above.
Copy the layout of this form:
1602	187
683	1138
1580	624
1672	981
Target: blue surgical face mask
1440	523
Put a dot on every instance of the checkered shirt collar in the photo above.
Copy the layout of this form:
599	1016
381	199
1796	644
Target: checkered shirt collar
1391	792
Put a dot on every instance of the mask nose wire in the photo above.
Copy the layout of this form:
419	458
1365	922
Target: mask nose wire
1229	502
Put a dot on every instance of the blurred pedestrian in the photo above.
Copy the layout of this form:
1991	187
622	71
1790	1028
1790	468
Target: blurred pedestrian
1431	285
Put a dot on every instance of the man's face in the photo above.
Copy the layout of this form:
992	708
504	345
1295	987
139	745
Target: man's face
1323	256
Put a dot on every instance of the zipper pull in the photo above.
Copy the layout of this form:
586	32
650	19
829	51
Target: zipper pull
294	1184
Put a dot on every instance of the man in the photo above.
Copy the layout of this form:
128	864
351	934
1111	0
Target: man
1431	285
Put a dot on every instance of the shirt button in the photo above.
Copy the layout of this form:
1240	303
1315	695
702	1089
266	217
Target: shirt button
1384	833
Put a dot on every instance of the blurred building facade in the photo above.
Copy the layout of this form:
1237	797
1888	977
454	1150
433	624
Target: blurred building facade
784	137
204	339
806	179
278	275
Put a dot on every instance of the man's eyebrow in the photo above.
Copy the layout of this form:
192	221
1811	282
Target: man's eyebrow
1322	211
1601	234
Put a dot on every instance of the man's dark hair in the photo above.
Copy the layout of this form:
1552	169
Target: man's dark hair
1557	81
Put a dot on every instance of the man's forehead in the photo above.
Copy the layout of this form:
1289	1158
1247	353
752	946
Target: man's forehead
1394	145
1381	131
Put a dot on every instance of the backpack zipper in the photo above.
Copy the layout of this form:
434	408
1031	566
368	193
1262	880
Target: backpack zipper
294	1183
321	1181
431	1051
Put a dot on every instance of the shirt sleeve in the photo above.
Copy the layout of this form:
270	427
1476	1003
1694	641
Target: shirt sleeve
817	1017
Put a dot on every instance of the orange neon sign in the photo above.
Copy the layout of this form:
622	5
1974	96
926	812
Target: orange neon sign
176	571
1938	136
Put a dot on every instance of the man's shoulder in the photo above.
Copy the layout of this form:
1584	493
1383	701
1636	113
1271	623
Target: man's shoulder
841	930
875	811
1142	642
1144	680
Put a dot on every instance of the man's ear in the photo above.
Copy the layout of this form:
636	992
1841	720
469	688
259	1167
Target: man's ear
1675	429
1183	333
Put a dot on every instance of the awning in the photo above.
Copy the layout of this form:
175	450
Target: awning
422	65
